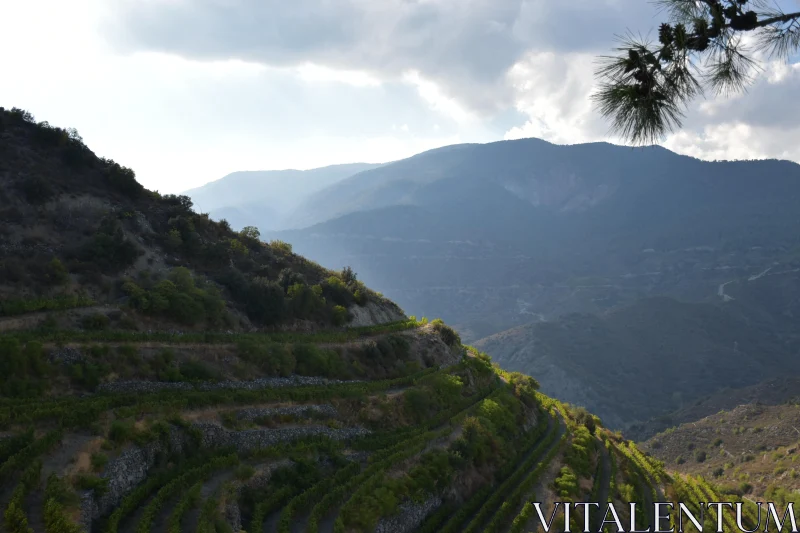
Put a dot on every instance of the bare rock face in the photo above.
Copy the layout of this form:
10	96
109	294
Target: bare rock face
374	313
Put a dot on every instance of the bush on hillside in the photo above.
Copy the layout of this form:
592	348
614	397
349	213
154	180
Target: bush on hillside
95	322
448	334
272	359
23	369
178	298
109	249
334	290
305	301
36	190
339	315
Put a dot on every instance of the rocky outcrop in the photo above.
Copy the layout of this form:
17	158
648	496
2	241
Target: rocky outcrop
66	356
410	517
375	313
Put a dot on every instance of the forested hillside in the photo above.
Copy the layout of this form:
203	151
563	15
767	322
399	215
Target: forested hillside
163	373
649	358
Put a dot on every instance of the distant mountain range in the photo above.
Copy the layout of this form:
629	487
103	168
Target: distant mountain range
266	199
492	236
610	262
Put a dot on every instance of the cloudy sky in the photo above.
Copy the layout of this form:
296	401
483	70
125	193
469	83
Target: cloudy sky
186	91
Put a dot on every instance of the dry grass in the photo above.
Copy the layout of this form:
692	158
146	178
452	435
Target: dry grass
752	444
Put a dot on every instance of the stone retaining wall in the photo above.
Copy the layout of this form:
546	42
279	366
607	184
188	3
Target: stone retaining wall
300	411
410	517
132	466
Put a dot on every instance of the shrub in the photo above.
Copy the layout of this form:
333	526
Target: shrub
281	246
90	482
22	369
250	232
263	300
700	456
244	472
348	276
99	461
272	359
334	290
448	334
56	273
121	178
192	370
305	301
178	298
95	322
109	249
36	190
339	315
360	297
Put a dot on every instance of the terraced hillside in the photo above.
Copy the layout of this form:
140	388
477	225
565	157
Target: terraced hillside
443	442
160	373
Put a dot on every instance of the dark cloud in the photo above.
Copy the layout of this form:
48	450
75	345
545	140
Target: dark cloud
466	46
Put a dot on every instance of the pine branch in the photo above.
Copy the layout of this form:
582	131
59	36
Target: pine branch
645	92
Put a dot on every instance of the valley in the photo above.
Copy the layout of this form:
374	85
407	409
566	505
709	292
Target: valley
508	241
163	372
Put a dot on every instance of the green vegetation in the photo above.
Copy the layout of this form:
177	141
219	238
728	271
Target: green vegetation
180	298
216	382
19	307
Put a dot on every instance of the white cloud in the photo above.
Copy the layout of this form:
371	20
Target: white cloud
552	90
438	101
318	73
185	92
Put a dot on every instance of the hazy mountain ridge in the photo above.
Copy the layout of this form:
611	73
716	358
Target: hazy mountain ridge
266	198
564	228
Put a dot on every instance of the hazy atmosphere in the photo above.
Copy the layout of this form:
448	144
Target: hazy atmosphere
188	91
399	266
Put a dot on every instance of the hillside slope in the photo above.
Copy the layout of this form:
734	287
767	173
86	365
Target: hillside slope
79	231
648	358
496	235
750	450
126	425
775	391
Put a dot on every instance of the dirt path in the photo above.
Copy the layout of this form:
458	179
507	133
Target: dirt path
32	320
161	521
605	487
271	522
209	490
128	524
360	341
648	501
551	422
533	523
